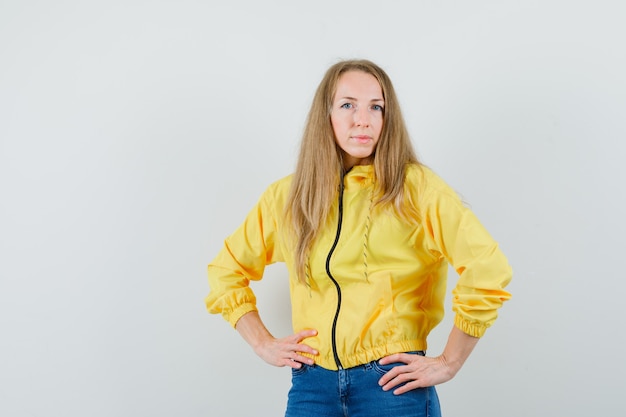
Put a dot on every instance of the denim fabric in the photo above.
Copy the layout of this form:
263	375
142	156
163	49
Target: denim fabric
354	392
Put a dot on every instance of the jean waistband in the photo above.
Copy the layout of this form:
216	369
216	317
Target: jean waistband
414	352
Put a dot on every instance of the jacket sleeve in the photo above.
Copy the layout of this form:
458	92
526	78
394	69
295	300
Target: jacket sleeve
483	269
243	258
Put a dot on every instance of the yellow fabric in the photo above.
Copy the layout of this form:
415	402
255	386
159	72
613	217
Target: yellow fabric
392	274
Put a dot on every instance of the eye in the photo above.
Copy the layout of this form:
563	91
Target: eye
346	106
377	107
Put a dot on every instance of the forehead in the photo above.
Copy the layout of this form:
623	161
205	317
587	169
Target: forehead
358	84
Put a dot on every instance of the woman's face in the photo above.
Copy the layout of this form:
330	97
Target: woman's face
357	116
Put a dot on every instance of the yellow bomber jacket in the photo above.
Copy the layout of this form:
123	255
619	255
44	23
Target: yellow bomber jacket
384	289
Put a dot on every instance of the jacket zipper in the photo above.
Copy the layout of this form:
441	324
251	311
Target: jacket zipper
330	275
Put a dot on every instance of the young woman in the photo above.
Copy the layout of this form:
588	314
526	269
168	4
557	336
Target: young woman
367	234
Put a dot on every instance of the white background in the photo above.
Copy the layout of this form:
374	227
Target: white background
135	135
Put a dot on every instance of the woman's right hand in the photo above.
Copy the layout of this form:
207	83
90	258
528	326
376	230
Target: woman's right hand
278	352
287	351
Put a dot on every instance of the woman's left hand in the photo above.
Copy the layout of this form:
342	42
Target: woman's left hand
418	372
423	371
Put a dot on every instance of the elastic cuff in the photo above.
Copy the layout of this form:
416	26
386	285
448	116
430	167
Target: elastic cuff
472	329
233	316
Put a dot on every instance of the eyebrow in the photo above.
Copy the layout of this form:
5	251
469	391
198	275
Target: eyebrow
352	98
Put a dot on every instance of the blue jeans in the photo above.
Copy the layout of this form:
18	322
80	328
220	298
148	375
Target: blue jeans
354	392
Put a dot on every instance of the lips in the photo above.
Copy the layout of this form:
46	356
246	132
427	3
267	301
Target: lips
362	138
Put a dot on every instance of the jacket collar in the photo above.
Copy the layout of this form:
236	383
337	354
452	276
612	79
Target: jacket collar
359	175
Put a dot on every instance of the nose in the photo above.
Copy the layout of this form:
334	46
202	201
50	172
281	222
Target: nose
361	116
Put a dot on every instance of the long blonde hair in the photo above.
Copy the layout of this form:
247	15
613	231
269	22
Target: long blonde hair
320	166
